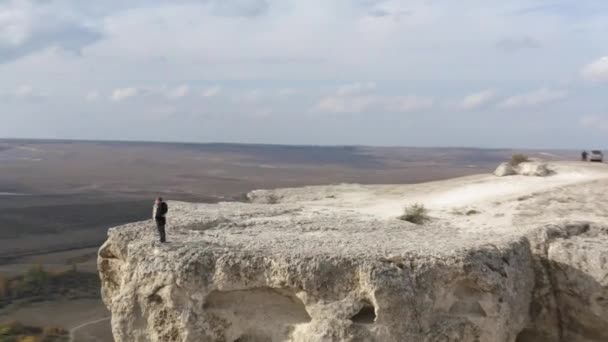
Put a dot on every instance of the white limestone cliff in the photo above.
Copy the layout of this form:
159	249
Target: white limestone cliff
514	259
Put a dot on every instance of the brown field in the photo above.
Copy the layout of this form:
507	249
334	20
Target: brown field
71	192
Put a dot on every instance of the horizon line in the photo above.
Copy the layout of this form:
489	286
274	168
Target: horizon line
173	142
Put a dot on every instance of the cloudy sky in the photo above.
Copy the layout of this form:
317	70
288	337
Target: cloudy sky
486	73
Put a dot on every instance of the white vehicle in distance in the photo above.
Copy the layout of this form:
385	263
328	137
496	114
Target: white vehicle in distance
596	156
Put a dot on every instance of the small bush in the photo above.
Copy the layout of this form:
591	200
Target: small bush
473	212
11	328
35	282
53	332
29	338
38	284
16	332
517	159
272	199
415	213
4	286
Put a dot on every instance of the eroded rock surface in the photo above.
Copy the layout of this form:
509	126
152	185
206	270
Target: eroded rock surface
505	169
537	169
571	273
335	264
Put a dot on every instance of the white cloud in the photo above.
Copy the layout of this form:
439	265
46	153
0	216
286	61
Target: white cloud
596	71
349	98
262	112
286	92
28	26
356	88
340	104
250	96
161	112
518	43
178	92
239	8
212	91
363	103
24	91
121	94
360	97
595	122
72	46
13	26
407	103
478	100
92	95
534	98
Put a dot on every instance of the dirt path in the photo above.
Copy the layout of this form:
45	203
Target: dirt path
480	191
83	325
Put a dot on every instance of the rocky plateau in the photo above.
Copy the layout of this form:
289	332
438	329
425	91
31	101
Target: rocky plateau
519	258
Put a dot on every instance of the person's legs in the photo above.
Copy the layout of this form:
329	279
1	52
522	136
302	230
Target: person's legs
161	230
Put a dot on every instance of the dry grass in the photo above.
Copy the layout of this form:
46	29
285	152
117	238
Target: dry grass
39	284
518	158
273	199
15	331
415	213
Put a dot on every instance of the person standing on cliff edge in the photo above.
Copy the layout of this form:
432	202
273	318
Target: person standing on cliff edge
158	214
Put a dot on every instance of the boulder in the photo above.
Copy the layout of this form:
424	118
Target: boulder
537	169
505	169
263	197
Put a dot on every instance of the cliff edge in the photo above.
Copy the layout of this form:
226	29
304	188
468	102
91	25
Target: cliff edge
515	259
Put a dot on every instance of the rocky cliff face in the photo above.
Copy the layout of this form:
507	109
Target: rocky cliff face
571	283
497	262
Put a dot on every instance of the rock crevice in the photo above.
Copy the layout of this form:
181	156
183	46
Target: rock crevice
571	278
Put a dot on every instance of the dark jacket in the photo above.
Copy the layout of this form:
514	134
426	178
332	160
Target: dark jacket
160	212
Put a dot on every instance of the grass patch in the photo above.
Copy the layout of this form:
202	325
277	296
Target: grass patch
415	213
14	331
37	284
519	158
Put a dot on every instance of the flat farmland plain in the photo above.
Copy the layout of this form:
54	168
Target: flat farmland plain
58	198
